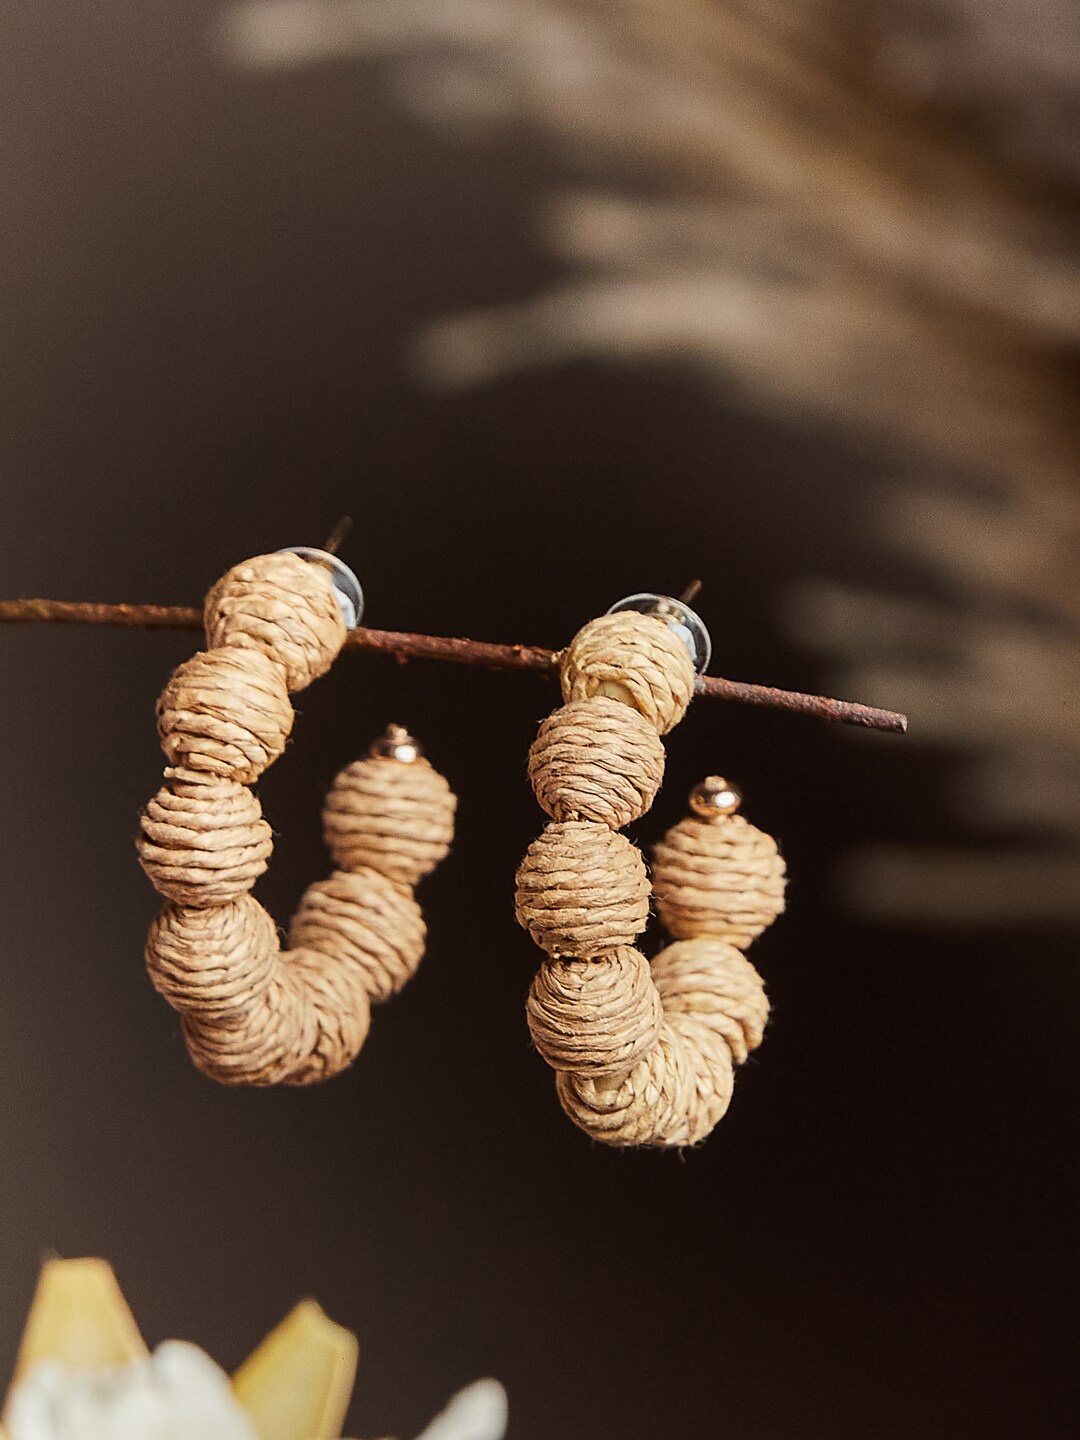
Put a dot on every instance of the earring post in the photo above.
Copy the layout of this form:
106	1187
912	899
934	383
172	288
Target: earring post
338	535
405	646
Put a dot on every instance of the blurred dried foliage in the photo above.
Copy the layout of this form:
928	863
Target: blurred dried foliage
863	216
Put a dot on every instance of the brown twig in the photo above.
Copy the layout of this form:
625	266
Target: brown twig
440	647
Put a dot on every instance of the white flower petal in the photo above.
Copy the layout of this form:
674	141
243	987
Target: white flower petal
479	1412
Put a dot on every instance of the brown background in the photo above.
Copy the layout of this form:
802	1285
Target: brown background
206	288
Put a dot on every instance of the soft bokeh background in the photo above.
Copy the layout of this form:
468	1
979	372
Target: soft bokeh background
564	301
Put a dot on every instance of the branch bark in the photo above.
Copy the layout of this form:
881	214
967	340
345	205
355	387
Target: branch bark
405	646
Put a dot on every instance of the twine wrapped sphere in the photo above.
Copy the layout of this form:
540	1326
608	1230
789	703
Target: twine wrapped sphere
364	922
396	818
212	961
596	759
337	1006
283	606
582	890
672	1096
632	658
715	983
225	712
259	1043
719	879
203	840
597	1018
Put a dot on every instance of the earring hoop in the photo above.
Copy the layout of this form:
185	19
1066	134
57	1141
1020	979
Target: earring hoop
252	1012
643	1055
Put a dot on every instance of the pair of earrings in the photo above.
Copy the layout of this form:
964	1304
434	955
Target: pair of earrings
644	1054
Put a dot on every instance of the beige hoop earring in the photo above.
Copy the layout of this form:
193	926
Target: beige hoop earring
644	1054
254	1013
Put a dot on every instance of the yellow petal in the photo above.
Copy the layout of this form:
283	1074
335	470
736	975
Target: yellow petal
79	1317
298	1383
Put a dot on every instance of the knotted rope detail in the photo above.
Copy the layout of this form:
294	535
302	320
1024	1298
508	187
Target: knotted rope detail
254	1013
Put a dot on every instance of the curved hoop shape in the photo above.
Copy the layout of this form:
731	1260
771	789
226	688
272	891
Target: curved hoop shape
644	1055
253	1012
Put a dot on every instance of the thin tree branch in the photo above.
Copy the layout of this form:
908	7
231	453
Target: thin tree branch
439	647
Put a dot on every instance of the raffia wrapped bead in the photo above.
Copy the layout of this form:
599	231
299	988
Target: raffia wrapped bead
596	759
715	983
283	606
307	1023
364	922
582	890
712	1082
672	1096
632	658
225	712
211	961
719	879
258	1043
396	818
340	1017
594	1019
203	840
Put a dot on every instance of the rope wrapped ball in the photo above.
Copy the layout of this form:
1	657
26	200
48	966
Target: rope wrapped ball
365	922
257	1045
212	961
282	606
673	1096
339	1003
225	712
596	759
635	659
720	879
716	984
594	1019
203	840
582	890
397	818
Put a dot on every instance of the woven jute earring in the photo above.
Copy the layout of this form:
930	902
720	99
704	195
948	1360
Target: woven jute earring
644	1055
253	1012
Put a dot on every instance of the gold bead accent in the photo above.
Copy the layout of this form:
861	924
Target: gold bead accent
396	744
715	797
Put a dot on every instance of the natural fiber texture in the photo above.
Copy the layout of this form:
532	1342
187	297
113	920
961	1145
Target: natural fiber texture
720	878
635	659
259	1044
282	605
642	1057
716	984
225	712
203	839
582	890
213	961
594	1019
673	1096
364	922
396	818
254	1014
338	1007
596	759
